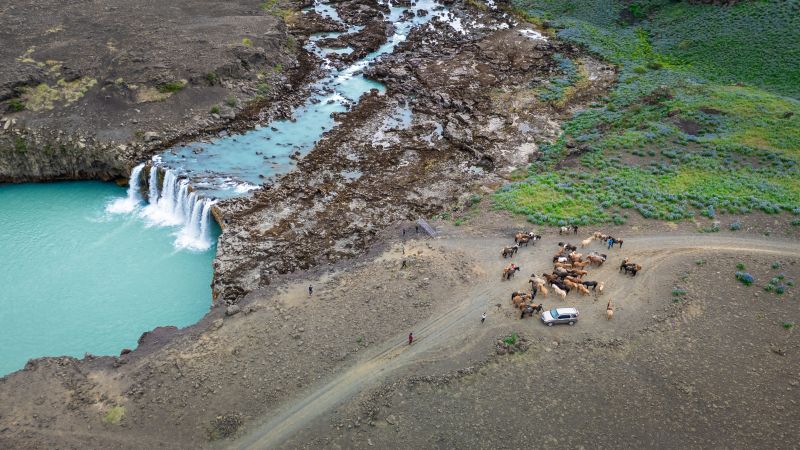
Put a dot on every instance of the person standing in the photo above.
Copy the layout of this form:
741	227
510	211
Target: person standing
410	338
483	317
610	243
310	290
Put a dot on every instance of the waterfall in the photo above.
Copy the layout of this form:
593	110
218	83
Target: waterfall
171	205
129	203
153	185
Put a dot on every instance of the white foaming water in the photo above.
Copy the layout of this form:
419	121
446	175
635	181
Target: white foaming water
171	206
129	203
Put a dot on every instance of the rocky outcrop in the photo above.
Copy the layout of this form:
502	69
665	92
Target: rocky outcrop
78	102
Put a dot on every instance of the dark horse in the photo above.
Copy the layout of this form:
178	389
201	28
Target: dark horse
531	310
591	284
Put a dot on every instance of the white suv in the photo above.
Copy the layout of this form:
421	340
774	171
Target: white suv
560	315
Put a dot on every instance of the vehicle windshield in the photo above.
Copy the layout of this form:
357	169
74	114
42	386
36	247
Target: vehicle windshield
554	313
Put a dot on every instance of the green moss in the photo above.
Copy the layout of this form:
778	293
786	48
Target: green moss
16	105
172	86
670	141
114	415
44	96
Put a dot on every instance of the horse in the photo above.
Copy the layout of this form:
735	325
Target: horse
575	257
632	269
563	230
586	241
543	290
517	294
570	284
569	247
574	229
580	264
561	293
598	235
600	287
560	259
578	273
623	264
550	277
609	311
523	238
508	272
563	265
561	285
591	284
510	251
582	289
616	241
560	271
531	310
592	259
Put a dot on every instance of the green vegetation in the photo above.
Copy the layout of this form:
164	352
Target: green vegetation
677	292
44	96
15	105
673	140
745	278
247	42
740	266
788	325
511	340
778	284
263	89
212	78
215	109
230	101
114	415
776	265
20	146
172	86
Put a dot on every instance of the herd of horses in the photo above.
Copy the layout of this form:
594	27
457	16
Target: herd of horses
569	270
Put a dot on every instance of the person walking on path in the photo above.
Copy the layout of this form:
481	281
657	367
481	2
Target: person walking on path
310	290
483	317
610	243
410	338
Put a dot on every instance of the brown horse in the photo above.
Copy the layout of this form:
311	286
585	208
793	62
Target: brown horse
509	270
510	251
609	311
595	260
580	264
582	289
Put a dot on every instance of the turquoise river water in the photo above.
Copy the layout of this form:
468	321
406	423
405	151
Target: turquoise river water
76	278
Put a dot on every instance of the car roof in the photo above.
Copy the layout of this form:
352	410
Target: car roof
567	310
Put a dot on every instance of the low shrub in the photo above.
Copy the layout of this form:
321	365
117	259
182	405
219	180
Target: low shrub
745	278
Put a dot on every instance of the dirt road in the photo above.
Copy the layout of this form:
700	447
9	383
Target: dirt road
448	334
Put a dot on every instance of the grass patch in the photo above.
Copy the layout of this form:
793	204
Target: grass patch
172	86
44	96
212	78
114	415
678	292
247	42
214	109
511	340
15	105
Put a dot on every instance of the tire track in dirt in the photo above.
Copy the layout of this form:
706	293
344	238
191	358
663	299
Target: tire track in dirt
441	331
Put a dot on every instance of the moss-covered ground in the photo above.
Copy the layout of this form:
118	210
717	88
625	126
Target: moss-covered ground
704	119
